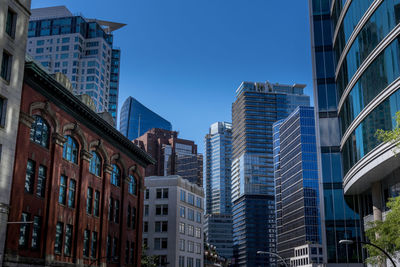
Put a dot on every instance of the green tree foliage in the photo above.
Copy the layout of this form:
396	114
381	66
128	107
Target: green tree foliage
392	136
385	234
147	260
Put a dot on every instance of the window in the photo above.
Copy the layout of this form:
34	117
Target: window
191	199
190	246
39	50
30	176
24	230
182	212
86	236
162	193
93	250
181	261
115	247
65	48
127	252
11	22
133	218
89	200
190	262
59	238
37	221
182	228
198	217
6	66
41	185
110	209
68	240
65	40
161	226
162	209
191	214
198	232
132	252
108	249
3	111
198	263
190	230
70	150
183	195
198	202
71	193
132	185
116	213
145	226
95	164
181	244
40	131
147	194
129	216
96	203
160	243
198	248
146	210
63	190
115	175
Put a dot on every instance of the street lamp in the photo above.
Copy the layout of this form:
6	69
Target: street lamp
350	242
272	253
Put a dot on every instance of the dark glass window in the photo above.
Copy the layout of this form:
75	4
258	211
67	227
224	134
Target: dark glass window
95	164
11	22
63	189
132	252
37	221
71	193
115	175
3	111
96	203
86	236
132	185
110	209
108	252
30	176
40	131
127	252
93	250
133	218
41	185
70	151
68	240
24	230
59	238
116	213
89	199
114	248
6	66
129	216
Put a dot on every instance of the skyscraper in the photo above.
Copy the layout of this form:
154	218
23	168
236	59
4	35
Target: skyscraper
257	106
217	173
296	184
80	48
136	119
340	219
13	35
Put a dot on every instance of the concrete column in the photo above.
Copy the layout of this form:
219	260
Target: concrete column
377	201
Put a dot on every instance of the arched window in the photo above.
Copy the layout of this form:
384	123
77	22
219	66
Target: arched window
132	185
115	175
95	164
70	151
40	131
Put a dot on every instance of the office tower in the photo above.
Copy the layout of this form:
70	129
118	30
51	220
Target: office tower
13	35
296	185
76	183
174	156
257	106
172	221
80	48
136	119
217	171
329	35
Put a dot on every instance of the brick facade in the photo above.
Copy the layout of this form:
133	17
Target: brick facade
66	116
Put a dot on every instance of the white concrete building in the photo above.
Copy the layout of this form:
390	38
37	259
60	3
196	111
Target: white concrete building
310	255
172	221
14	17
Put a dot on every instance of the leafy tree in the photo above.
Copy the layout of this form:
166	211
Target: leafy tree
392	136
148	260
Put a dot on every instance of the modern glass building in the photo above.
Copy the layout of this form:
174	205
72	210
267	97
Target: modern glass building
136	119
256	108
340	217
80	48
218	231
296	183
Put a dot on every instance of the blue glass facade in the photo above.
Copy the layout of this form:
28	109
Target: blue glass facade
341	220
296	182
136	119
114	83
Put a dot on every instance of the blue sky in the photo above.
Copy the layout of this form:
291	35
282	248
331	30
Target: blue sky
184	59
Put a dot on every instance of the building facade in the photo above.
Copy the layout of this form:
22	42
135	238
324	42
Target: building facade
136	119
13	36
80	48
174	156
296	183
218	231
340	217
256	108
173	221
78	183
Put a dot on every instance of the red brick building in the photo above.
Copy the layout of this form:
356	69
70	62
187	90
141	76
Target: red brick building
78	183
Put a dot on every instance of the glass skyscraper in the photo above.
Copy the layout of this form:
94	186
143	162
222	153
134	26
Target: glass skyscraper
136	119
340	218
80	48
296	183
257	106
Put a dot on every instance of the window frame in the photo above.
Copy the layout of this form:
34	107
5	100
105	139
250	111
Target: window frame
6	66
11	23
71	149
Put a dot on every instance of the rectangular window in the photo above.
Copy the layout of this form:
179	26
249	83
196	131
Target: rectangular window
115	247
86	236
24	230
147	195
129	216
182	245
191	199
133	217
190	246
11	23
198	202
161	226
162	193
37	222
198	217
108	249
190	230
6	66
68	240
181	261
65	40
190	262
110	209
63	189
89	200
71	193
146	210
182	212
65	48
198	232
3	111
93	250
145	227
39	50
183	195
198	248
132	252
30	176
181	227
127	252
41	185
160	243
191	214
59	238
198	263
96	203
116	214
